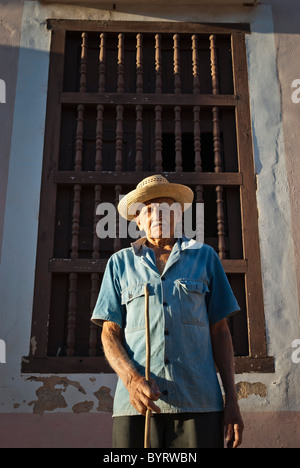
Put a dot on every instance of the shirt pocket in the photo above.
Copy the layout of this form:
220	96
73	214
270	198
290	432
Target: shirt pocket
133	298
192	301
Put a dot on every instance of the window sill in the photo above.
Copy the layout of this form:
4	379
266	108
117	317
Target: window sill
99	365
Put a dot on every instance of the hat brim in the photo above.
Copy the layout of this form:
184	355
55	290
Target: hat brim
180	193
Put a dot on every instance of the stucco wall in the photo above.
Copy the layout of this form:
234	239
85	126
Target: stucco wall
10	30
274	125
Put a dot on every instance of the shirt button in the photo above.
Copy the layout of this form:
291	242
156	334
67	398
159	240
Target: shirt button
165	392
166	332
165	303
163	279
167	361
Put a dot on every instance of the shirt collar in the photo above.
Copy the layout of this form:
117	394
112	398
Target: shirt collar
138	244
183	244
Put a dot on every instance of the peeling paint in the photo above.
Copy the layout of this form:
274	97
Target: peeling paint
245	389
83	407
49	397
105	399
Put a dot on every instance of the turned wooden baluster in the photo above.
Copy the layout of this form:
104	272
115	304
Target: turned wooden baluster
119	130
196	109
139	108
95	277
139	138
73	277
139	64
158	109
177	90
177	64
217	148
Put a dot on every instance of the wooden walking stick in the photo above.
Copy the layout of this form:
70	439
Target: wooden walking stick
148	354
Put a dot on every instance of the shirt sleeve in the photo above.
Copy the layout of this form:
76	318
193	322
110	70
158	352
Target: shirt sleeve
220	300
108	306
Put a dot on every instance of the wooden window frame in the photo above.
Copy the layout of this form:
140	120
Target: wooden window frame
37	361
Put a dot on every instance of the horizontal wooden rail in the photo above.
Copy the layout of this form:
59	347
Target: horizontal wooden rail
92	365
83	265
147	26
150	99
133	178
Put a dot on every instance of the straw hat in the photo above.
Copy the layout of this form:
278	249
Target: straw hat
153	187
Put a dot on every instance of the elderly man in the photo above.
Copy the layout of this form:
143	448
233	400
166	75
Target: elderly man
189	300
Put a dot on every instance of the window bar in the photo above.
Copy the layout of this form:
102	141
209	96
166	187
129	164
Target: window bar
73	277
196	109
121	63
178	141
177	90
139	64
119	130
158	109
217	147
158	64
95	277
139	108
177	65
102	63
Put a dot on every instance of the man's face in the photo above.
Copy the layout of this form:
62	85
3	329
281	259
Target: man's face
158	217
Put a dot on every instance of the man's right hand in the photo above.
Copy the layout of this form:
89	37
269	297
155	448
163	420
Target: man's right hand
142	395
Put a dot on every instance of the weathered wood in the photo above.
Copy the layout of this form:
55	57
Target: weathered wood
158	64
130	178
147	26
79	265
196	65
178	140
196	110
46	231
72	303
99	365
217	148
85	265
74	365
139	138
139	64
177	64
95	277
102	64
148	99
121	63
158	139
253	283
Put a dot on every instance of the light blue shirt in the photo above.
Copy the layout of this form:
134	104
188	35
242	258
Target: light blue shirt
192	293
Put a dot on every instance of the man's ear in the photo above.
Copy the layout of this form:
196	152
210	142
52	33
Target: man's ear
137	220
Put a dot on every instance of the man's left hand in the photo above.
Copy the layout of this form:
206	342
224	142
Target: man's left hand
234	425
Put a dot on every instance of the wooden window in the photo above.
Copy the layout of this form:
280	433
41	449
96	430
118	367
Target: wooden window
125	101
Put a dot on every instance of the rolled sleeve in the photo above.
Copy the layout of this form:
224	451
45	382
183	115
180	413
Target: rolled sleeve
108	306
220	300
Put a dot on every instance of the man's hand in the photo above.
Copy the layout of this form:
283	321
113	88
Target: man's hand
233	425
224	359
142	395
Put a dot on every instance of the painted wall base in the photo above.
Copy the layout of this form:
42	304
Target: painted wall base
65	430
